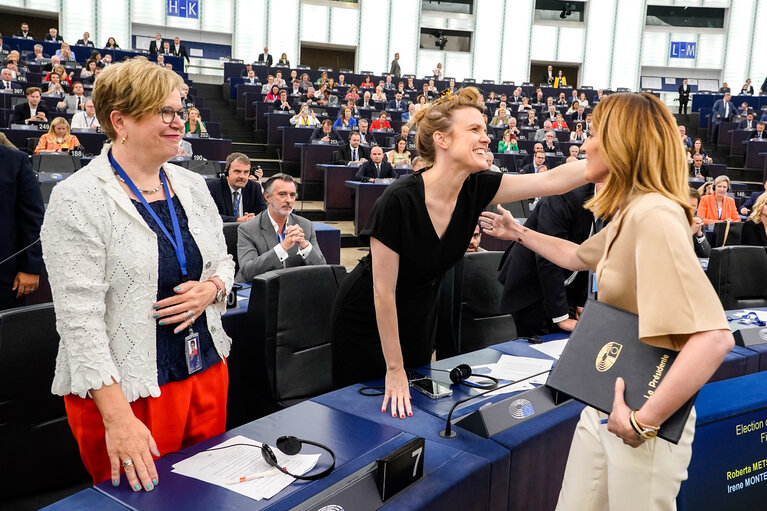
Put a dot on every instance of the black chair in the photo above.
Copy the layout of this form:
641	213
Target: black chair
739	276
230	235
469	315
56	162
725	236
290	314
34	432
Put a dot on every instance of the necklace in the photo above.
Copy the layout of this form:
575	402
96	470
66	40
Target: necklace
148	192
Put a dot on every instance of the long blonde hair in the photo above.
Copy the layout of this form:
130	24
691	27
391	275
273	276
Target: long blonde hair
639	142
756	212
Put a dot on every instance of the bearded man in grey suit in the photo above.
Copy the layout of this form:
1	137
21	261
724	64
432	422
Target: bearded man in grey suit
276	238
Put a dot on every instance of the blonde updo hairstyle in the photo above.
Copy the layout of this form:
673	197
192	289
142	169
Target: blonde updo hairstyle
438	117
134	88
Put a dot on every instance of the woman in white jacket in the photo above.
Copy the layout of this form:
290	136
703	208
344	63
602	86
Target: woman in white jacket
138	268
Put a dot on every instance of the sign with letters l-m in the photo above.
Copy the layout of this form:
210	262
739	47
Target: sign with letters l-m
682	50
184	8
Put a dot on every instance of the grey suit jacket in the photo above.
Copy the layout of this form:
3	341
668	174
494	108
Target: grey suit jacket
71	102
256	240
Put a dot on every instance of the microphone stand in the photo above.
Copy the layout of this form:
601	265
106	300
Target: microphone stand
448	431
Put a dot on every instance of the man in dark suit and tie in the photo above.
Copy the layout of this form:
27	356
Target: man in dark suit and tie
539	160
748	123
397	103
684	97
53	36
723	110
542	297
32	110
325	133
251	78
760	133
6	80
276	238
352	153
156	45
21	208
376	168
698	169
24	32
238	197
548	76
265	57
178	49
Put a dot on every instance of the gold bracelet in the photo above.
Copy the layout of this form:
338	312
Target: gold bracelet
644	430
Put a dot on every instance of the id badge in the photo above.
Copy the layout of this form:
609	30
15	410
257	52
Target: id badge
192	350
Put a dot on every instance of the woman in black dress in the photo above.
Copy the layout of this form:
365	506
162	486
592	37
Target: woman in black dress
385	312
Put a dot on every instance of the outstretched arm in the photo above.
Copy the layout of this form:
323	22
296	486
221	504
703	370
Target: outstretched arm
554	182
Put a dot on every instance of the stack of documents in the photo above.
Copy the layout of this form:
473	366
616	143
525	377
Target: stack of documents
510	368
226	466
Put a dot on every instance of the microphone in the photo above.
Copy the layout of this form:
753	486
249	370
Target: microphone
448	431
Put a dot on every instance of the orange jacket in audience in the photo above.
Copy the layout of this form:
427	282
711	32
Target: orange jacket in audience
708	211
50	143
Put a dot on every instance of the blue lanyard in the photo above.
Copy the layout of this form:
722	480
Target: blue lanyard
178	244
280	238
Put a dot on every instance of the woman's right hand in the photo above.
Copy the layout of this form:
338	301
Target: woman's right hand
398	392
128	439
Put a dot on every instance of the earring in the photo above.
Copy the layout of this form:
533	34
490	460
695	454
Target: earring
122	140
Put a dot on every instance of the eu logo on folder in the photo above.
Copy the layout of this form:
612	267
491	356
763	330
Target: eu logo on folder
605	345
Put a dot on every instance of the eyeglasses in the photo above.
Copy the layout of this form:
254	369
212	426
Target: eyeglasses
168	113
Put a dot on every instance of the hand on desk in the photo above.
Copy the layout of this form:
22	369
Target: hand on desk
567	325
398	391
129	441
619	422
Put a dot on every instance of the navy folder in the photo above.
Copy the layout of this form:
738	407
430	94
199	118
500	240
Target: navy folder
604	345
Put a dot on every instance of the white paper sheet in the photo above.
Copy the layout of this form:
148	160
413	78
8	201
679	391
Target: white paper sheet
761	314
223	466
553	349
513	368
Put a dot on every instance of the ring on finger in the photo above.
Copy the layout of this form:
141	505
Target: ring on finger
188	315
127	463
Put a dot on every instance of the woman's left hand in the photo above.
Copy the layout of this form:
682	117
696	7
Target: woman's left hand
619	422
188	304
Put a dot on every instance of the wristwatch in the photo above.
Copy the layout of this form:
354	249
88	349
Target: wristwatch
643	430
219	291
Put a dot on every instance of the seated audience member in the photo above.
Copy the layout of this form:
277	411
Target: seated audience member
88	69
578	135
305	117
746	207
539	161
490	159
31	111
410	114
65	52
345	120
55	87
276	238
476	239
559	123
53	36
574	151
376	167
419	163
542	297
187	100
352	153
92	78
62	72
706	188
686	141
366	101
541	133
381	123
112	44
325	133
718	207
86	120
748	123
755	228
582	100
562	100
247	70
328	99
524	105
699	241
279	80
697	148
546	107
251	78
366	138
531	121
399	155
58	139
507	144
724	89
367	83
8	83
759	134
165	51
281	104
397	103
579	115
106	61
379	95
574	96
501	117
305	82
410	87
389	84
309	98
352	105
267	87
273	94
74	102
516	96
538	99
698	169
194	124
550	143
747	89
295	88
573	109
237	197
513	126
322	79
24	32
341	81
38	54
284	60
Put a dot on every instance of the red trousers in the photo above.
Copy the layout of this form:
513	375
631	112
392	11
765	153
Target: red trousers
186	412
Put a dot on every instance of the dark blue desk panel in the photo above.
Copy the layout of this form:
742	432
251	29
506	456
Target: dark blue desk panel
725	133
329	241
311	155
292	136
356	442
92	142
428	426
739	139
338	197
274	120
90	499
755	150
365	197
211	148
719	447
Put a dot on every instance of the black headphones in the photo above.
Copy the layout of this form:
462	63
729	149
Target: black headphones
291	445
462	372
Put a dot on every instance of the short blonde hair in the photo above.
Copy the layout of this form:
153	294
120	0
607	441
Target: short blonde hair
756	212
638	140
55	122
721	178
134	88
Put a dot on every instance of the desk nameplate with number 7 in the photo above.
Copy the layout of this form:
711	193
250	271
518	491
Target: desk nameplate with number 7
400	468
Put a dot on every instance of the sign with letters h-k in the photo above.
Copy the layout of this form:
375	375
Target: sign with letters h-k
682	50
184	8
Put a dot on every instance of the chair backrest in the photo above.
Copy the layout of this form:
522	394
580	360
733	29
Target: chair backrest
739	276
56	162
29	414
230	236
469	311
727	237
290	311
